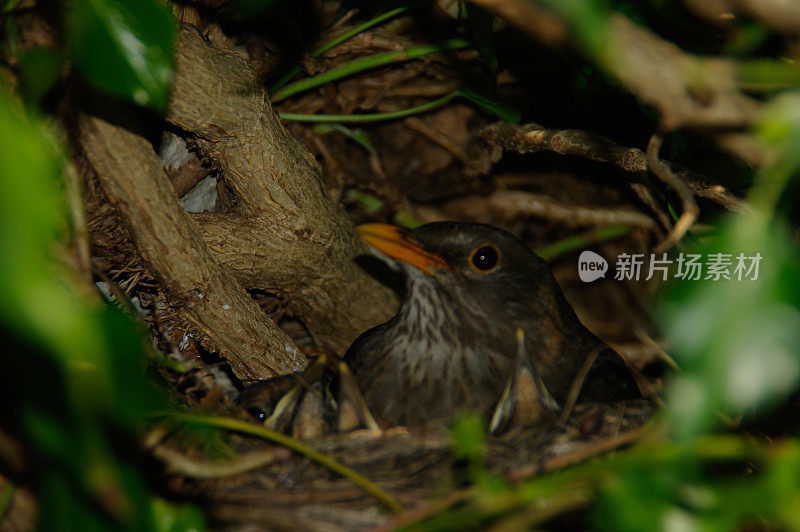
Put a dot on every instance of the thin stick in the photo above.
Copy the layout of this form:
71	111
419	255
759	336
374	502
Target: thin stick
298	447
179	463
663	172
423	512
529	138
577	384
513	203
583	453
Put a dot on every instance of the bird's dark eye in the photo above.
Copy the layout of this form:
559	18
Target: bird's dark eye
257	413
485	258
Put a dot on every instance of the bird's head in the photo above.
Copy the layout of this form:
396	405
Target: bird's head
483	265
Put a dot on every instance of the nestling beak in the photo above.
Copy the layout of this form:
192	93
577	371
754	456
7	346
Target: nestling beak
398	244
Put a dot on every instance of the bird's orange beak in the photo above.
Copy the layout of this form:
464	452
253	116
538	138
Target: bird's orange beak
396	243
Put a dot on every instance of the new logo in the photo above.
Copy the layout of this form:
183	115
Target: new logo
591	266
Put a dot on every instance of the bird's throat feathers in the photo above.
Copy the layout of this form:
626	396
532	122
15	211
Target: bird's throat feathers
429	304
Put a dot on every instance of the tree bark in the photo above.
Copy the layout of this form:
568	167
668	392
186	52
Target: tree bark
284	236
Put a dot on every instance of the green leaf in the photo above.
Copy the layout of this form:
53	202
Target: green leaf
173	518
582	241
738	341
504	111
372	204
406	219
640	494
77	366
358	135
469	437
589	20
39	69
125	48
362	64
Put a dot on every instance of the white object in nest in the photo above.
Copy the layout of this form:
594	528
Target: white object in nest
174	153
203	197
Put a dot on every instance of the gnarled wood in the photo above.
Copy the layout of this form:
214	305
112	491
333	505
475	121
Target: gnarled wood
284	236
169	240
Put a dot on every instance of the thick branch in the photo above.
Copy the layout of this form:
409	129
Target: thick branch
168	239
286	235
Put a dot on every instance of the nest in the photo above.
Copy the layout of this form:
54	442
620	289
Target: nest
295	493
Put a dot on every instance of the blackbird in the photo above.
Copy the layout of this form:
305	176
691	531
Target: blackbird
472	290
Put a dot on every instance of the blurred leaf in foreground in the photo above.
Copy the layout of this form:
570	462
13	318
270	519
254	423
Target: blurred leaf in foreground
74	385
124	47
39	70
738	340
172	518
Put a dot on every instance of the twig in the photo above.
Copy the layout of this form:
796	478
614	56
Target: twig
437	136
341	22
178	463
504	505
577	384
296	446
663	172
589	451
514	203
645	195
577	456
647	339
421	90
418	514
529	138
